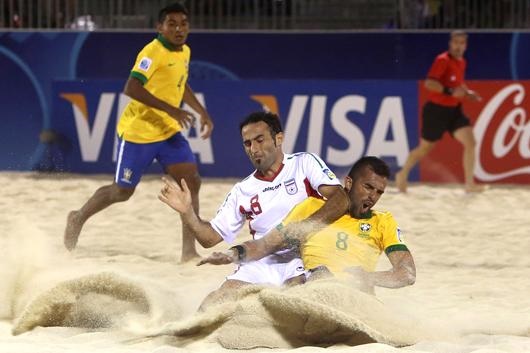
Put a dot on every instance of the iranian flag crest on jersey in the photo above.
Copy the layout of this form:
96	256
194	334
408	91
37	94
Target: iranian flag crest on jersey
291	187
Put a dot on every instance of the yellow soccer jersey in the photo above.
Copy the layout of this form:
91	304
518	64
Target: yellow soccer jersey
163	72
348	241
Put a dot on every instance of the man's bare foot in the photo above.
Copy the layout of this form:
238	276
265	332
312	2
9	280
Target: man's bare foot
73	228
401	181
476	188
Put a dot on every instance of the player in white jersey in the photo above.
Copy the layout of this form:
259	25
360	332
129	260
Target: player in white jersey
265	197
264	203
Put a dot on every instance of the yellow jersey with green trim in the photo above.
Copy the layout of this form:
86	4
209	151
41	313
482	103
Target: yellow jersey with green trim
163	72
347	242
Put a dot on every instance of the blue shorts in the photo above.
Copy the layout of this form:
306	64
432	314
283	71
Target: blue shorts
135	158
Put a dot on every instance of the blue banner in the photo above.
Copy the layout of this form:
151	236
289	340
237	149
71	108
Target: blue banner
338	120
32	61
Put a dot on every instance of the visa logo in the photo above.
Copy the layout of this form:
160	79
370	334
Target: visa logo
91	137
390	118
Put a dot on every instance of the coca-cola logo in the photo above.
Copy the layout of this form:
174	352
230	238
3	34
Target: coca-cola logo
509	136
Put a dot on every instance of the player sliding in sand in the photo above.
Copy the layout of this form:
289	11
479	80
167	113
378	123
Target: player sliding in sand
349	246
265	197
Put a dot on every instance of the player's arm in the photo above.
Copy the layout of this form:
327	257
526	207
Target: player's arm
470	94
287	235
434	85
458	92
281	237
206	122
326	183
336	205
135	89
437	70
294	233
251	250
403	272
179	198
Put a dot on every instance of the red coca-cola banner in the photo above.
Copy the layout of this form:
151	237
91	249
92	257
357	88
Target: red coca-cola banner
501	124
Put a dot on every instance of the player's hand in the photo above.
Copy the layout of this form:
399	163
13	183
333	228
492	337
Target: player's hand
474	96
184	118
459	92
219	258
206	126
176	197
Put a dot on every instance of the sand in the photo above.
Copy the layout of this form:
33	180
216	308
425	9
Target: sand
472	292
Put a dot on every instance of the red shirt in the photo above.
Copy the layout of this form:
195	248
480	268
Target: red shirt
450	73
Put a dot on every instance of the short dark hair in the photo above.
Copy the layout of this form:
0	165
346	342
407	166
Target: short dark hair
176	7
377	165
272	120
457	33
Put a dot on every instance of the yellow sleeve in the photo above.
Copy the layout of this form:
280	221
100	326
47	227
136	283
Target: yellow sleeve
392	239
146	63
303	210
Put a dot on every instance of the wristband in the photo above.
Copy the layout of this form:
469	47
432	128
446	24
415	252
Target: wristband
241	252
448	91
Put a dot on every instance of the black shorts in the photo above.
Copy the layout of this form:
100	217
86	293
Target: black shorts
438	119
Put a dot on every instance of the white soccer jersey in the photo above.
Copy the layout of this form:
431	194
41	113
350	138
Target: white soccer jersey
266	202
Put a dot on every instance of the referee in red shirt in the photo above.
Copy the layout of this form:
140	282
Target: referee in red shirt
443	111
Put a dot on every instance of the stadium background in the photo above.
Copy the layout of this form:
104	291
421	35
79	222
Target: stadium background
340	91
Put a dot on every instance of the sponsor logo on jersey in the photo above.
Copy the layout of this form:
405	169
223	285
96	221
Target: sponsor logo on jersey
330	174
271	188
127	175
291	187
145	64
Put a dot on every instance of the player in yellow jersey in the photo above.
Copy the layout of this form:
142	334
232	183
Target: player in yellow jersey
150	125
349	246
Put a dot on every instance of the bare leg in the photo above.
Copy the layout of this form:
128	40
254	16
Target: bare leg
227	292
102	198
464	135
188	172
414	157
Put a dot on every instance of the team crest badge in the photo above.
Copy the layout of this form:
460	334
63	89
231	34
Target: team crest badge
291	187
365	227
127	175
